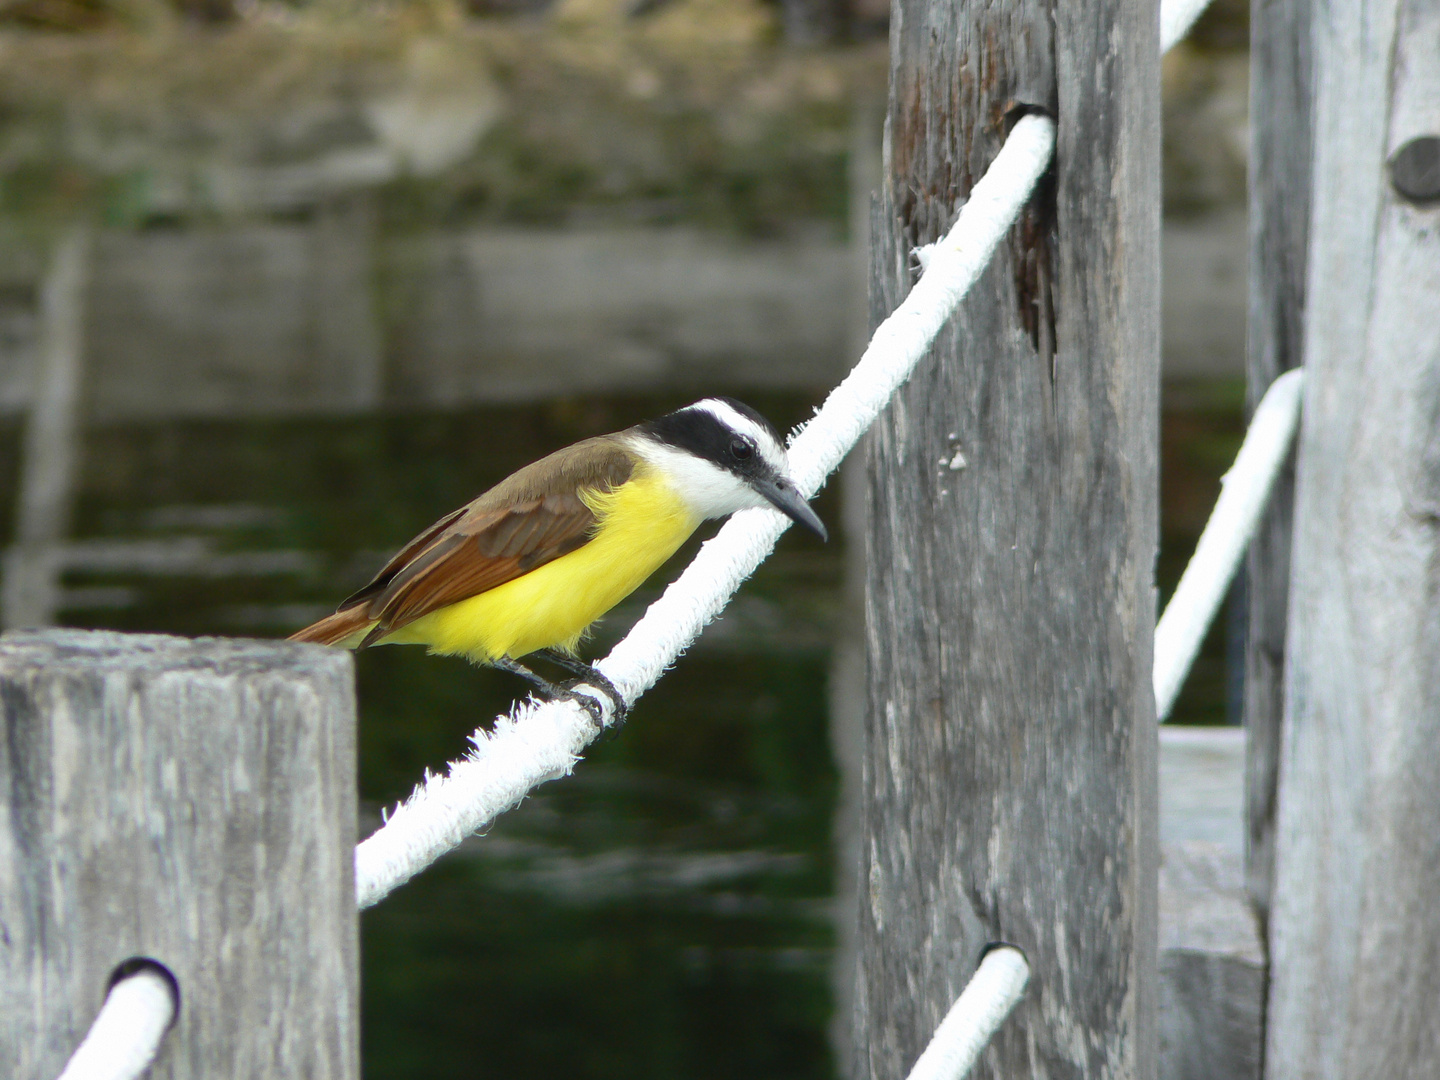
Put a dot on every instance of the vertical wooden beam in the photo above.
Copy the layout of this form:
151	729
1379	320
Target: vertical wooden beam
192	802
1010	789
1279	223
52	441
1212	966
1354	926
847	661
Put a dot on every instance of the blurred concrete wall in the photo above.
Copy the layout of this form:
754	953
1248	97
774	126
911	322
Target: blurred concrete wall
265	319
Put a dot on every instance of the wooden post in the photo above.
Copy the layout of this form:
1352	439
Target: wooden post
847	660
192	802
1354	924
1279	223
31	590
1010	790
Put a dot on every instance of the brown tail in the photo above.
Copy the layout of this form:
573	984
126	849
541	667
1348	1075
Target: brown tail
335	629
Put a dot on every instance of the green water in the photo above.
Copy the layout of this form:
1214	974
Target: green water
666	911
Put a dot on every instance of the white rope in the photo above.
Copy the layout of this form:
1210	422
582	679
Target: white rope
977	1014
126	1035
542	741
1176	19
1244	491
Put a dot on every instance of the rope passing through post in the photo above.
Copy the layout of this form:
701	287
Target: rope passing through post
1244	491
540	741
126	1035
993	991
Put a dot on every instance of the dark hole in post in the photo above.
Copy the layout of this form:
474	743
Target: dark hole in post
1014	110
1034	252
988	949
1415	169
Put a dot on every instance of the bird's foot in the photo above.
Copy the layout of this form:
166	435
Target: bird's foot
619	710
555	692
591	676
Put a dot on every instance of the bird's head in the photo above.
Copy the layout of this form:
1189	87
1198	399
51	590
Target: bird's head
722	456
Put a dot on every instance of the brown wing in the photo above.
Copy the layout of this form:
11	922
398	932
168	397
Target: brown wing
478	553
532	517
401	559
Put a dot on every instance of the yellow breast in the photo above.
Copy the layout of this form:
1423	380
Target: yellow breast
640	524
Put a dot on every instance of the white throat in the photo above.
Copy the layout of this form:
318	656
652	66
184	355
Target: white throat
708	490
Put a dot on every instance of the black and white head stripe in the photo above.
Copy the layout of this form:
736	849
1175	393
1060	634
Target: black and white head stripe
721	456
724	431
749	424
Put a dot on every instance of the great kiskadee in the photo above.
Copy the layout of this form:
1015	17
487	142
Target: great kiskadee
529	565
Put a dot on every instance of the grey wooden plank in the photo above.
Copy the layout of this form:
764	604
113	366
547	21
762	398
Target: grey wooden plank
1212	967
847	656
1202	786
259	320
1010	773
1354	928
1212	952
190	801
1280	153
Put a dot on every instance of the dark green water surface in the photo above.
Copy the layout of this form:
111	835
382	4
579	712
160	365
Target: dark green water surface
666	911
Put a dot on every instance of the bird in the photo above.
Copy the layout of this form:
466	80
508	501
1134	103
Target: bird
530	565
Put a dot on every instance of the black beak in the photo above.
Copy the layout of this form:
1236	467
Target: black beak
785	497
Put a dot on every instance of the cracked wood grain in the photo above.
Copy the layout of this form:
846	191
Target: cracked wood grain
192	802
1010	786
1354	927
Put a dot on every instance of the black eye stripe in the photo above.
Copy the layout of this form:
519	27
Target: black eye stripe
705	435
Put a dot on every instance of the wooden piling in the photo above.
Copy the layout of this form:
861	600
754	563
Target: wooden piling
1279	225
30	594
192	802
1010	790
1354	927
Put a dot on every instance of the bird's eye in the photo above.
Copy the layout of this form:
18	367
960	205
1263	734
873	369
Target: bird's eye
741	450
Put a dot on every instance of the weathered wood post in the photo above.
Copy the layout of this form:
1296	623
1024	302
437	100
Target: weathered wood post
1279	224
192	802
1010	789
847	661
1354	923
29	594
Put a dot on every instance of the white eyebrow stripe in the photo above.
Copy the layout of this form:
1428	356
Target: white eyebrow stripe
770	449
